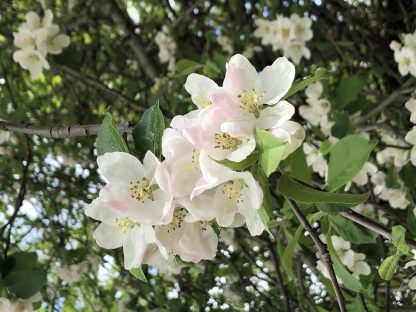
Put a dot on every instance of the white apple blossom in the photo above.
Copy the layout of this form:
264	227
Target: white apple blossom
226	44
288	34
406	59
31	60
118	230
352	260
192	240
19	305
36	38
252	99
411	263
72	273
135	190
315	159
167	48
234	202
411	107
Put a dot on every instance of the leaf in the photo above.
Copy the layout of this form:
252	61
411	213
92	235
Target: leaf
348	280
244	164
25	284
287	259
388	266
299	85
109	139
325	147
305	194
270	150
348	89
299	168
332	208
265	210
148	132
341	126
351	232
347	157
398	238
139	274
18	261
185	67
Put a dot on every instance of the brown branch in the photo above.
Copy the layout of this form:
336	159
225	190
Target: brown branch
386	102
372	225
326	258
20	195
135	43
61	132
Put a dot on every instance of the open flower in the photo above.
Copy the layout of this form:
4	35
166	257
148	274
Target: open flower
49	40
236	201
118	230
192	240
138	191
31	60
252	99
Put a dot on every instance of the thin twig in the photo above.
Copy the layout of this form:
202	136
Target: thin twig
61	132
386	102
372	225
326	258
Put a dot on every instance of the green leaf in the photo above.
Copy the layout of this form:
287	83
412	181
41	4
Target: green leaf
398	238
287	259
388	266
244	164
348	89
270	150
139	274
299	168
305	194
109	139
299	85
25	284
185	67
341	126
332	208
348	280
347	157
265	211
325	147
148	132
351	232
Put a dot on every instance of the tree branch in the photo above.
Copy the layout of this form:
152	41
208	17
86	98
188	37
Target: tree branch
135	43
61	132
386	102
326	258
373	226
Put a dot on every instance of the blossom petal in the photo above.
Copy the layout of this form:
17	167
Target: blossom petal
120	167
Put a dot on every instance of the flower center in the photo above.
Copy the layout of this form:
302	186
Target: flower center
233	190
225	141
178	216
124	224
250	102
141	190
406	61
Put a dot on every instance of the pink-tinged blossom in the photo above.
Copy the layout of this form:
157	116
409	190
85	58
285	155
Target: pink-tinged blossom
139	191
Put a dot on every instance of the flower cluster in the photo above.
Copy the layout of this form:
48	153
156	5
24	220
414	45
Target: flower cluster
288	34
158	210
36	38
167	48
405	56
20	305
354	261
411	135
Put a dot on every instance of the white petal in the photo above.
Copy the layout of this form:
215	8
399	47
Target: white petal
108	236
199	87
275	80
412	283
134	248
120	167
98	211
240	75
275	116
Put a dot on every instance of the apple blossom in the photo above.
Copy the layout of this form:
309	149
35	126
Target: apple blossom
118	230
135	190
315	159
31	60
